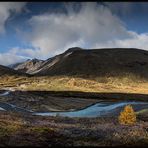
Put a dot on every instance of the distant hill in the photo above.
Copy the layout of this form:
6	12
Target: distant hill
9	71
94	62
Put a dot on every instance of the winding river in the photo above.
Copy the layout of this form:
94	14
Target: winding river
96	110
99	109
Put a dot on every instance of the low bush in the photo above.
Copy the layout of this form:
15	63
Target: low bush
127	116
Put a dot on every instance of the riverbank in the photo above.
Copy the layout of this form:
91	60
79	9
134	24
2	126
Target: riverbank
60	102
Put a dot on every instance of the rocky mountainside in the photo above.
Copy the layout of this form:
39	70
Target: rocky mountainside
95	62
28	66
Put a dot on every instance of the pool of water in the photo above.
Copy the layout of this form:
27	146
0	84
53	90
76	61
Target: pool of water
99	109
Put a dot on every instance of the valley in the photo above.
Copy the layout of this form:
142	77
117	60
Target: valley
97	74
77	92
73	74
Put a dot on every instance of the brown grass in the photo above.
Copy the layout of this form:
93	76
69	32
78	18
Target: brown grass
64	131
65	83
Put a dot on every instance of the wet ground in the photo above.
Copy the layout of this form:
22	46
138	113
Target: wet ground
102	108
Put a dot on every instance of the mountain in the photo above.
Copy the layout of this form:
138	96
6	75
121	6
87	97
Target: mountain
28	66
95	62
9	71
16	64
34	66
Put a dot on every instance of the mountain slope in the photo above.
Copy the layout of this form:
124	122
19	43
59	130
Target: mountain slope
28	66
96	62
8	71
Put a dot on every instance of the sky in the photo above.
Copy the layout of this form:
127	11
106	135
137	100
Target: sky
44	29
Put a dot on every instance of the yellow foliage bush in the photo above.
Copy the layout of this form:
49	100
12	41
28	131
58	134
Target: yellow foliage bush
127	116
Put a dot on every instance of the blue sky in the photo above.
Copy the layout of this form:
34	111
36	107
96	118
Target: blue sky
44	29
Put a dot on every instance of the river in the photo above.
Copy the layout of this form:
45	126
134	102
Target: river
97	110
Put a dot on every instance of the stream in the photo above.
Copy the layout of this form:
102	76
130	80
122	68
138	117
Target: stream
97	110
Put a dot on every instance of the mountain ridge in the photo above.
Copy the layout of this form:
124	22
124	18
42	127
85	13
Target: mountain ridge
4	70
95	62
28	66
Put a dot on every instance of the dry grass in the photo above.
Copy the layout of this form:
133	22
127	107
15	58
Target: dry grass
127	84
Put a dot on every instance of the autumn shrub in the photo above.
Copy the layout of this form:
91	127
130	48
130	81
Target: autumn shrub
127	116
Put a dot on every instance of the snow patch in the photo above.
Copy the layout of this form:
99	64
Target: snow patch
68	54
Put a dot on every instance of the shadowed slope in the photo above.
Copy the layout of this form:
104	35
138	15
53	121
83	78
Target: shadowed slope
8	71
96	62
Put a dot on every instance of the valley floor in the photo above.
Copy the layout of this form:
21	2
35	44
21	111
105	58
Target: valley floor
125	84
47	101
27	130
65	93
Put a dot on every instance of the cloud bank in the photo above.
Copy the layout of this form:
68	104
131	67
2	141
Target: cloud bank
6	8
8	58
93	26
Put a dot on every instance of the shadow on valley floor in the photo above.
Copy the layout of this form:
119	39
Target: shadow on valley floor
89	95
45	101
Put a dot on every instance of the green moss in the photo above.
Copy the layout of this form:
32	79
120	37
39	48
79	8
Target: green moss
143	111
41	130
4	132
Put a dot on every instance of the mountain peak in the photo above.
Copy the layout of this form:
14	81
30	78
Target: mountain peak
94	62
73	49
35	60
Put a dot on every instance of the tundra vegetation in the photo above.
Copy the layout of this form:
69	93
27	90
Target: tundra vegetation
27	130
67	83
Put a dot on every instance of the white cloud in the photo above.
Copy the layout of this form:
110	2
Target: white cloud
5	12
137	41
94	26
9	58
13	55
54	32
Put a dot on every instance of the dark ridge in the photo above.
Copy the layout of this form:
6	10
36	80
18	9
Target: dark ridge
9	71
93	95
94	62
73	49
